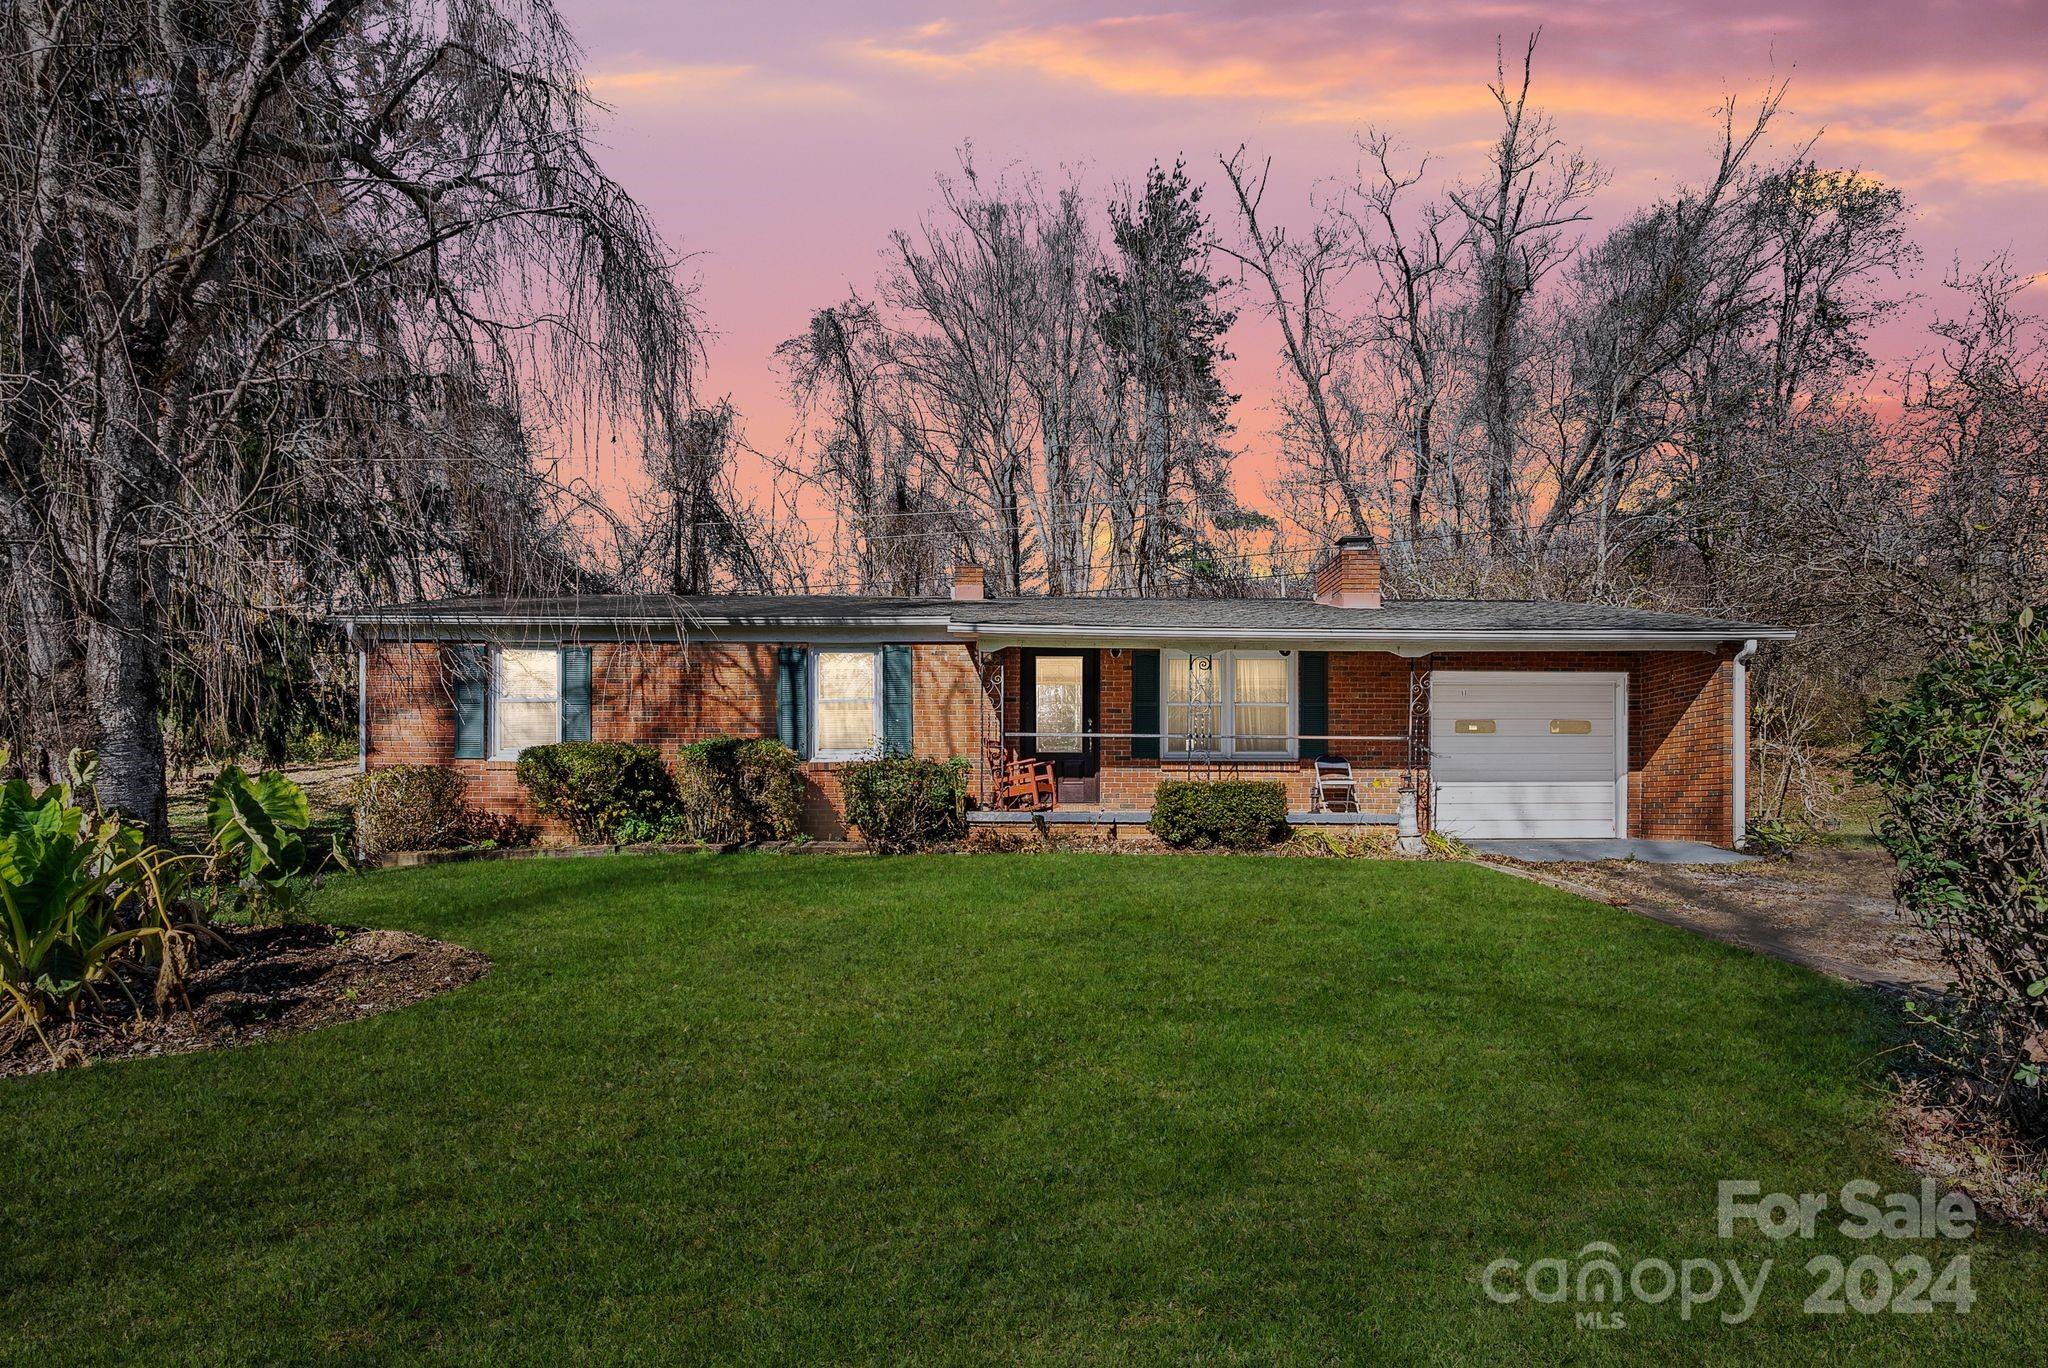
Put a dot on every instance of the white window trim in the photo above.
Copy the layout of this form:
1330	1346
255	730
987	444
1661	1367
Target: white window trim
493	698
817	699
1228	723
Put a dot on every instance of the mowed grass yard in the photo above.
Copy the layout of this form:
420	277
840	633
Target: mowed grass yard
968	1108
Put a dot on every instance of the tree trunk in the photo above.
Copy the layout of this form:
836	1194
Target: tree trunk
1158	482
48	721
1498	399
124	689
124	647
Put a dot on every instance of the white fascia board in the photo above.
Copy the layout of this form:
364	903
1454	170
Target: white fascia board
1400	643
891	630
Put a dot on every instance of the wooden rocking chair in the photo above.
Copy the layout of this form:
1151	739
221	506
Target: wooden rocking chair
1019	784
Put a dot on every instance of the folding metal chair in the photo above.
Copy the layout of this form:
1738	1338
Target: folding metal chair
1335	789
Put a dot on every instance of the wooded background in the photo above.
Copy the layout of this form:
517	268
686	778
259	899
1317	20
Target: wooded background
318	305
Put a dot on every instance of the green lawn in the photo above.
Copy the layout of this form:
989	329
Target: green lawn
954	1108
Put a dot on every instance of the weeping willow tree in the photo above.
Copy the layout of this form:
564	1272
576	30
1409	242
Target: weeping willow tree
296	288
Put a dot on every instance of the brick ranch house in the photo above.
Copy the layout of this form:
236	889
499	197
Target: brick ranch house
1505	719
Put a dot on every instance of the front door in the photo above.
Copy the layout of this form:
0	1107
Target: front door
1061	692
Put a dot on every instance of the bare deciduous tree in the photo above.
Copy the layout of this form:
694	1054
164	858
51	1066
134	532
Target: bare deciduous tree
1515	220
256	250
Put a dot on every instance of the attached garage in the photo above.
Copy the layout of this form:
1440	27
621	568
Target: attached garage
1528	754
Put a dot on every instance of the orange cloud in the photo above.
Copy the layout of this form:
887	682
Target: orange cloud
679	84
1158	57
1930	121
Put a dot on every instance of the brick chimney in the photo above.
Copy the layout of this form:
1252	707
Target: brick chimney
968	581
1350	578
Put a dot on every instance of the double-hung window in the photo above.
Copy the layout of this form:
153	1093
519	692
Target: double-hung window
849	703
1237	703
526	699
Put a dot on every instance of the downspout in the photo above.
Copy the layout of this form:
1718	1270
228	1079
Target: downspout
362	703
1741	730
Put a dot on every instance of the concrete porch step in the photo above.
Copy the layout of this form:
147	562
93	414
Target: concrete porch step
1139	816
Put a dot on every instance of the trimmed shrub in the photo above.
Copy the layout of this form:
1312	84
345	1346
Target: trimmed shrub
409	807
905	802
669	829
772	783
498	830
1962	760
596	786
1237	814
740	789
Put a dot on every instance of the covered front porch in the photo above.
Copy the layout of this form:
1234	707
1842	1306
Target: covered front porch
1112	722
1515	742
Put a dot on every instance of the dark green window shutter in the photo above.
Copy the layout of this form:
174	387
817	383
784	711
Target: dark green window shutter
469	681
793	698
1314	712
896	718
1145	705
575	693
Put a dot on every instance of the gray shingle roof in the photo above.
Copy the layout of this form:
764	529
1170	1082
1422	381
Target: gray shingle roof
713	608
1419	618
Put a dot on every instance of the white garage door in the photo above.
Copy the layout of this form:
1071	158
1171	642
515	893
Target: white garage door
1528	754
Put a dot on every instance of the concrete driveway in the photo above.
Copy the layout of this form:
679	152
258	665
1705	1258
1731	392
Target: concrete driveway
1586	851
1828	907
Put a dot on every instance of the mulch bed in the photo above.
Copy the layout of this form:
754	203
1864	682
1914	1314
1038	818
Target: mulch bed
259	983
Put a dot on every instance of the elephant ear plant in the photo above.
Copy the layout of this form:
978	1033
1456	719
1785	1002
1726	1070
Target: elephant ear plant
80	894
258	824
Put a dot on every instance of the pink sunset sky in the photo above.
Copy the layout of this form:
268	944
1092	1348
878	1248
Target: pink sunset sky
779	143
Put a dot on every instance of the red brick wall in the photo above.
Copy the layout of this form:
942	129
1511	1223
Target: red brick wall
1682	745
1350	575
1680	719
663	694
1680	732
1368	697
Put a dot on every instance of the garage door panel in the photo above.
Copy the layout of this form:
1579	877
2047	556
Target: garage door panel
1538	728
1461	749
1506	734
1529	831
1524	764
1483	811
1522	779
1593	794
